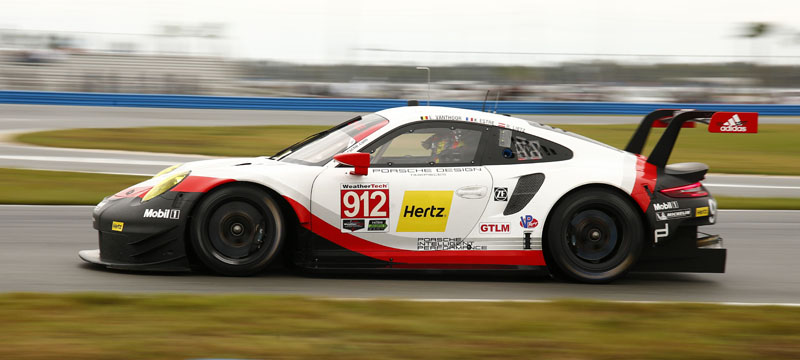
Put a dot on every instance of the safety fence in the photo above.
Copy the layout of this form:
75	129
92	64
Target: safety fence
366	105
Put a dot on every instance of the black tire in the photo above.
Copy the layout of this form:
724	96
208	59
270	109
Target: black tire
237	230
594	236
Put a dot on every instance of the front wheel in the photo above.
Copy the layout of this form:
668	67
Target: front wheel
237	230
594	236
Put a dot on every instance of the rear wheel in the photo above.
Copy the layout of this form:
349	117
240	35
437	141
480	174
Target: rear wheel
594	236
237	230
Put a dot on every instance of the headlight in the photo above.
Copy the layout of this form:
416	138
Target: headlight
167	170
165	185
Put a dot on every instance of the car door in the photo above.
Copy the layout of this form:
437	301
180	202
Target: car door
424	192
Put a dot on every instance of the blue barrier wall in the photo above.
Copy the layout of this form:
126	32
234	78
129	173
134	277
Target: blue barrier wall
364	105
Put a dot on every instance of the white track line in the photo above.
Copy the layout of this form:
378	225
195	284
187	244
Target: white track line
89	172
534	301
87	160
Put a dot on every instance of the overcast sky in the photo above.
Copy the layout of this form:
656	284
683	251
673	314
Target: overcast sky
495	31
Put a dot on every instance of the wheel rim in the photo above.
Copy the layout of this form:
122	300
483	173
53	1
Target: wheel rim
593	236
239	232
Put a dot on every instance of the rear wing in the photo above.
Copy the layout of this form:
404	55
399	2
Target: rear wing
675	119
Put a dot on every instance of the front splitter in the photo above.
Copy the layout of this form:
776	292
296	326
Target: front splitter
93	257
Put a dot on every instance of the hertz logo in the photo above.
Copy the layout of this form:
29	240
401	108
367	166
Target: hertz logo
414	211
425	211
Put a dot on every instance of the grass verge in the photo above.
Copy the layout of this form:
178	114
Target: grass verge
219	141
724	202
19	186
774	150
106	326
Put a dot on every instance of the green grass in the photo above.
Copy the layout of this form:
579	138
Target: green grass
105	326
774	150
59	187
221	141
724	202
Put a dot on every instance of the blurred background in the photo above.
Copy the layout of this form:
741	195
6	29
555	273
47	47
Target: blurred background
680	51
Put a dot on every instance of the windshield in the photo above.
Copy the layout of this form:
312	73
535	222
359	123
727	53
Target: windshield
320	148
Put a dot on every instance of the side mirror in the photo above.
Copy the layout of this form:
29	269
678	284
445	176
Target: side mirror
360	161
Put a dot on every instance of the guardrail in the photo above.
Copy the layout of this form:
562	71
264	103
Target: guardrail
365	105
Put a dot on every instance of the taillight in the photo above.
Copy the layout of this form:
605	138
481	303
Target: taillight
686	191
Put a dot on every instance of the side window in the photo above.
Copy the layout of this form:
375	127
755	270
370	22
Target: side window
427	144
505	146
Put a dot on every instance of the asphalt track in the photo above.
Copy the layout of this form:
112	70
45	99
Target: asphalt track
40	244
23	118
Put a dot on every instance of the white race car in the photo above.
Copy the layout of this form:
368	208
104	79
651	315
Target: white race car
423	187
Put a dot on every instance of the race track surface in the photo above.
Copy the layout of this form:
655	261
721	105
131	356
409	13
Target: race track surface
40	244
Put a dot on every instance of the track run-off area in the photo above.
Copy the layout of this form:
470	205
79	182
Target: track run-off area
40	246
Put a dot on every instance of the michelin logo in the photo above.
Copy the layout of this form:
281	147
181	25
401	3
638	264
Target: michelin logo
162	214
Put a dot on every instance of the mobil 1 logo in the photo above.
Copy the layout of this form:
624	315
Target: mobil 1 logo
173	214
501	194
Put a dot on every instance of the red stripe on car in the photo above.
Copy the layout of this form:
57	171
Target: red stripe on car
646	174
303	215
401	256
132	192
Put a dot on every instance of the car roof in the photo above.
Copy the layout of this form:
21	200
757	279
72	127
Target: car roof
408	114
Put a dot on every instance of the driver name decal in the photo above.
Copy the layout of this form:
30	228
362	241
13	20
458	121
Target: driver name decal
424	211
364	207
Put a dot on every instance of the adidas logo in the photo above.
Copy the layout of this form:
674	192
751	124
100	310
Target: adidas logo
734	124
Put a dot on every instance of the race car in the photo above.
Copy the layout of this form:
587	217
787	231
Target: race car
423	187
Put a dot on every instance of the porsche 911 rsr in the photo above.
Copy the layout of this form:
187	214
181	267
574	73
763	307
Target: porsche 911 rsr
423	187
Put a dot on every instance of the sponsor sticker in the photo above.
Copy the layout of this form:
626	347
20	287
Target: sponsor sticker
377	225
501	194
352	224
117	225
673	214
528	222
730	122
665	205
701	211
424	211
494	228
364	200
446	243
361	202
173	214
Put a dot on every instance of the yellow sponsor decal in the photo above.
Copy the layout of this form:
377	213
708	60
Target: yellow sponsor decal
424	211
117	225
701	211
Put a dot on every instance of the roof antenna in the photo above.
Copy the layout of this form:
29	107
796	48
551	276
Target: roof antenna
483	107
429	81
496	100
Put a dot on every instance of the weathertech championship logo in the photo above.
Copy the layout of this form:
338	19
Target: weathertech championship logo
734	124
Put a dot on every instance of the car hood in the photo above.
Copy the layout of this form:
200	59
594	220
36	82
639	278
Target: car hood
228	162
